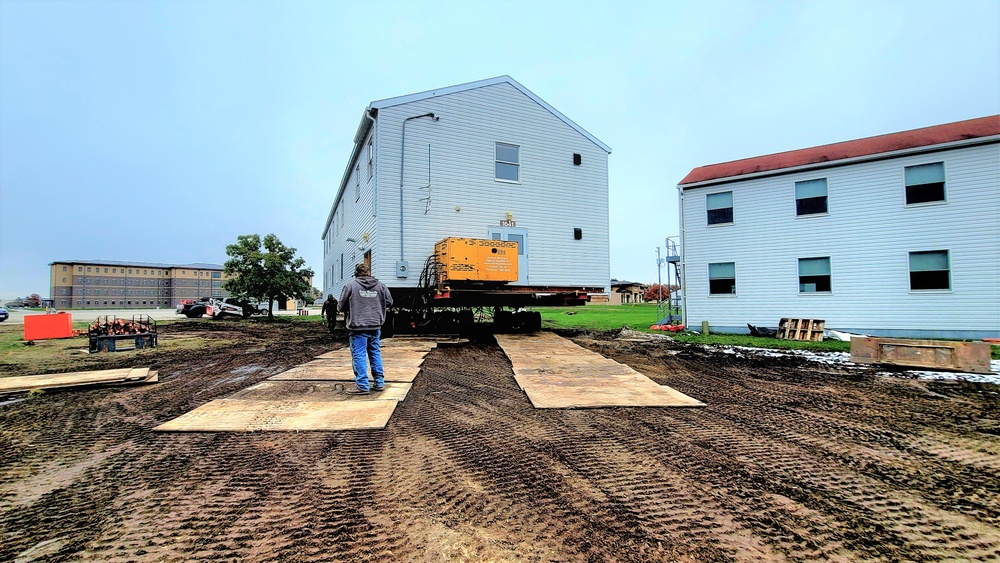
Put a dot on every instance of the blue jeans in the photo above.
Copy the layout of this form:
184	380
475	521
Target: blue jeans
365	346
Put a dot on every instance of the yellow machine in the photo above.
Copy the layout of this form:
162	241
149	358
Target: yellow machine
480	260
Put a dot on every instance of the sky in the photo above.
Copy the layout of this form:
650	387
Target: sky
159	131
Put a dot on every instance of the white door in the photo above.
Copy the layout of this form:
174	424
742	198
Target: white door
520	236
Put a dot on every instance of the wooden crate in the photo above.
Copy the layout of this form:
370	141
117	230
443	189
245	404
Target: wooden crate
801	329
971	357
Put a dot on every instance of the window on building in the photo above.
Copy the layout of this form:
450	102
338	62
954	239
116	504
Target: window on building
105	271
924	183
64	280
722	278
341	266
357	182
64	268
216	275
216	284
508	162
130	270
930	270
114	270
720	208
88	269
79	269
810	197
814	275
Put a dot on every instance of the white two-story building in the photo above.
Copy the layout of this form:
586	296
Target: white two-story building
894	235
488	160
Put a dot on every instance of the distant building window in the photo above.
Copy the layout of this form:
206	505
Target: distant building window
145	272
930	270
508	162
720	208
130	270
810	197
64	268
814	275
79	269
216	284
722	278
114	271
64	280
216	274
88	269
105	271
924	183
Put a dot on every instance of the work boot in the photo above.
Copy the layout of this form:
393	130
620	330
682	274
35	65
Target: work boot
357	391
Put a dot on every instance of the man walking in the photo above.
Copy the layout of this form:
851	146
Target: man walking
330	312
364	301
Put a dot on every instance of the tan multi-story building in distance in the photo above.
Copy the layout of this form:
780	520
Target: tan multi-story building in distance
98	284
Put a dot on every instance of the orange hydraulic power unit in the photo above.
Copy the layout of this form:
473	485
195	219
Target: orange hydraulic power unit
473	259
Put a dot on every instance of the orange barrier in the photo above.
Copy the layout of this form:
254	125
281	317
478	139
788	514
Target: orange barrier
41	327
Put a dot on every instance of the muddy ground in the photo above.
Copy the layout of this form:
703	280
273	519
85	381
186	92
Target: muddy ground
790	461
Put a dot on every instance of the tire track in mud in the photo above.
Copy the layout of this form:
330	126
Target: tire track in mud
862	473
786	463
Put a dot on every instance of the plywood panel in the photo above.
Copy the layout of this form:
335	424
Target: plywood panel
319	391
73	379
237	415
604	393
392	372
556	373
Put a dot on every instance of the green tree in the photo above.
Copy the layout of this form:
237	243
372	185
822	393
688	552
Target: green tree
266	269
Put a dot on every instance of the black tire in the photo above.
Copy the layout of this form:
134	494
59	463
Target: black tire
503	321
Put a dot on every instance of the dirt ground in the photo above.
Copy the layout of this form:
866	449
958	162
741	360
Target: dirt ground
791	460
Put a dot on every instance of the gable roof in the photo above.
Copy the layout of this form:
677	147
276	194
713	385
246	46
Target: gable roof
969	130
389	102
371	112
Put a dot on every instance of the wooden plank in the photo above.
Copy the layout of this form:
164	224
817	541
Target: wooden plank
972	357
75	379
320	391
556	373
236	415
392	372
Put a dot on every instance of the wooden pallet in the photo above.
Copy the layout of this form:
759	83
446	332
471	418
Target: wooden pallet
801	329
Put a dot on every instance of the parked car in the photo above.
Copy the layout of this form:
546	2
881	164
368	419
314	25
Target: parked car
192	309
4	315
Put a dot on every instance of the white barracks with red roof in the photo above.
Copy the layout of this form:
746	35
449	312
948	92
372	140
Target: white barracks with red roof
894	235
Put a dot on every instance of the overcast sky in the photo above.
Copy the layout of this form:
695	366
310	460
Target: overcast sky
159	131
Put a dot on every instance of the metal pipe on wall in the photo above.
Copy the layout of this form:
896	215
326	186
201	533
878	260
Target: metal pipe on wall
402	156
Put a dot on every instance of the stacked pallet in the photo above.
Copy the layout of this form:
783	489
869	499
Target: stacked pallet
801	329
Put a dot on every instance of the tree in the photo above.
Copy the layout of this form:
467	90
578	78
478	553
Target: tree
652	294
266	269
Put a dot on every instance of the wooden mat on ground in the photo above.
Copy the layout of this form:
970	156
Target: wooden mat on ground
558	374
312	396
77	379
237	415
401	361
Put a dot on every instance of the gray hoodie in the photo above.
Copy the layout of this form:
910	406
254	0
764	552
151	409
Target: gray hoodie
364	300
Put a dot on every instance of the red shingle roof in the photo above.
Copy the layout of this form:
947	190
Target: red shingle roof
935	135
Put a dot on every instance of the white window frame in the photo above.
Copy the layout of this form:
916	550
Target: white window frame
357	182
798	275
708	277
944	188
496	160
826	196
909	272
732	206
371	157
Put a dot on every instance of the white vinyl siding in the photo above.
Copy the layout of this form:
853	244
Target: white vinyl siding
465	199
868	240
